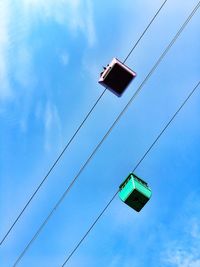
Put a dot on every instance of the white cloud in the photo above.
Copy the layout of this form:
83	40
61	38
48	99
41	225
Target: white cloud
185	250
195	228
53	129
65	59
90	29
24	73
18	66
116	260
180	257
5	89
75	14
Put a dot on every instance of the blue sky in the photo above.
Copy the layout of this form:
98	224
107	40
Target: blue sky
51	54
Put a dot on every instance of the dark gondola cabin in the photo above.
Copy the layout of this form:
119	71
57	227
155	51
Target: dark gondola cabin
134	192
116	77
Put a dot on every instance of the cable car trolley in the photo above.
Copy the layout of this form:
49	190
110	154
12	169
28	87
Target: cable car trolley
134	192
116	77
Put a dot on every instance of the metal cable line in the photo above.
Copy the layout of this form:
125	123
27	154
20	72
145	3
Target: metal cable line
140	161
76	132
51	169
106	135
145	30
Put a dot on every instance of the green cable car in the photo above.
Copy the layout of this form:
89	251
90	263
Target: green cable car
134	192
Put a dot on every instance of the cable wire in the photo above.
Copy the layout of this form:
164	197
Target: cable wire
133	48
51	169
76	132
106	135
140	161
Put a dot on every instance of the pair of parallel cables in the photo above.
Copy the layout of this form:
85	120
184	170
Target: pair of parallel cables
120	115
157	138
137	165
74	135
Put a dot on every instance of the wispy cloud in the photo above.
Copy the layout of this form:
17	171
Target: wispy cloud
90	29
24	71
76	15
53	127
116	260
64	58
183	251
15	61
5	14
181	256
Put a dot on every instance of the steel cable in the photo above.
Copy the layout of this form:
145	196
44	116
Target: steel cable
74	135
108	132
137	165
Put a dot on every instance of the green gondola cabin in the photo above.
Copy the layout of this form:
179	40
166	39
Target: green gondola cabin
134	192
